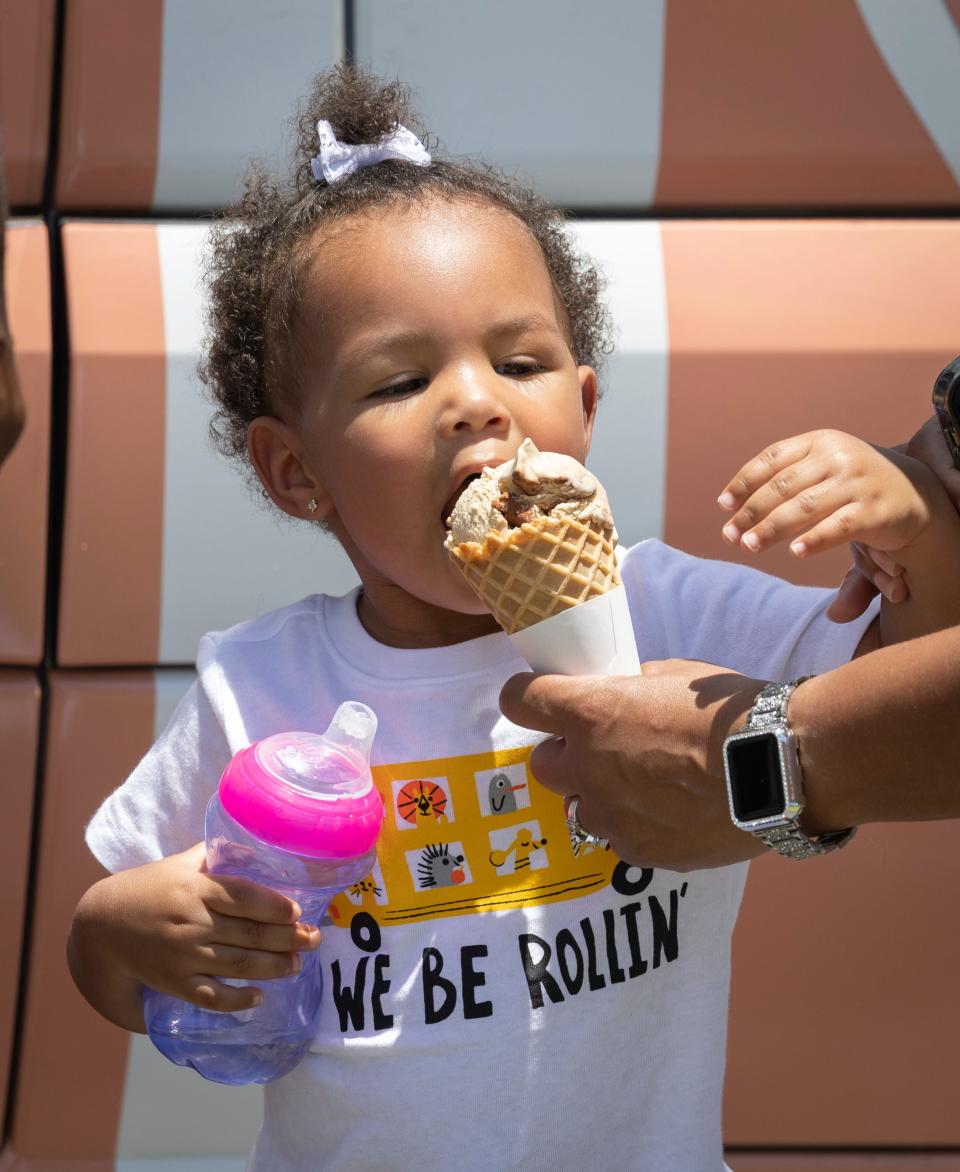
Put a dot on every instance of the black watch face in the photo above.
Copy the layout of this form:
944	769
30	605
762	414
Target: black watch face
755	780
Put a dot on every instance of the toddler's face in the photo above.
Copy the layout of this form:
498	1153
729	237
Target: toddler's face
437	347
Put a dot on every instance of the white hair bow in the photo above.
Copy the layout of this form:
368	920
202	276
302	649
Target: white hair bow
338	159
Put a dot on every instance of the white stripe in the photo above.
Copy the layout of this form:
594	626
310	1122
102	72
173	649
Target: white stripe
630	437
225	556
920	43
567	95
169	687
231	74
171	1120
169	1111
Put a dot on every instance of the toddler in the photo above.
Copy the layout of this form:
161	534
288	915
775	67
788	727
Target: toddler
382	328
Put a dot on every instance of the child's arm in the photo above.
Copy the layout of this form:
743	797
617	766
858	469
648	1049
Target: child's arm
866	578
172	927
824	489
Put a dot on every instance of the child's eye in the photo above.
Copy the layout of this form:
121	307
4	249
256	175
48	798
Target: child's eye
399	390
521	368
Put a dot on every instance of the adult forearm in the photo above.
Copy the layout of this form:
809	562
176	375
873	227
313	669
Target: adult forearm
932	565
934	599
112	993
877	736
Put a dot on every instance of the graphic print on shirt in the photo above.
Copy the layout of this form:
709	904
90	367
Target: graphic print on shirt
419	800
470	834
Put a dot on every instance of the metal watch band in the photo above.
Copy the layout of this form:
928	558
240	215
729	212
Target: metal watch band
770	706
770	709
793	843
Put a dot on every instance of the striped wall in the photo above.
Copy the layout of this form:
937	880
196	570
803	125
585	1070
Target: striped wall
774	103
587	137
129	1104
162	541
19	736
842	1030
26	76
181	137
24	478
748	103
827	129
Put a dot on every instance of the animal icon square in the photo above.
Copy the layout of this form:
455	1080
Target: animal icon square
370	888
440	864
504	790
519	848
425	801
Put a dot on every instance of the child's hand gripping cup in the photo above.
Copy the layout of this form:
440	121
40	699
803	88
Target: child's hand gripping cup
297	812
535	539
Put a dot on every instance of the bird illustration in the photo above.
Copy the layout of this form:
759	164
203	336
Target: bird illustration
500	794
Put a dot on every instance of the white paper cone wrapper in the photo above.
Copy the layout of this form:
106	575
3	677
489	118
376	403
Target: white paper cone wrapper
592	639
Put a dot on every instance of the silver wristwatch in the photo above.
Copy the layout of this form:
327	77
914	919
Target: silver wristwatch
765	781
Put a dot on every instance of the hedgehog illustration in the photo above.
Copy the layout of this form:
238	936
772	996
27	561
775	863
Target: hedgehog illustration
439	868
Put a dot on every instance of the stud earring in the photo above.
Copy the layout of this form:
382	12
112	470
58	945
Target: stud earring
312	505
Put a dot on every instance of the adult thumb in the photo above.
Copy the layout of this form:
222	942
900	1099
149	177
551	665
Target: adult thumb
547	703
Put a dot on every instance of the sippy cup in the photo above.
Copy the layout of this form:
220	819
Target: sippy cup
297	812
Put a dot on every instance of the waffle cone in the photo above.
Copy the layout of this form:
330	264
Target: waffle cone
539	569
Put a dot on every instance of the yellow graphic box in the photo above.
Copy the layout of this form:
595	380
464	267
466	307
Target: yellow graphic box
470	834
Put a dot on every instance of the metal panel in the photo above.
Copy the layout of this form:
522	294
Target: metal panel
26	69
25	475
567	98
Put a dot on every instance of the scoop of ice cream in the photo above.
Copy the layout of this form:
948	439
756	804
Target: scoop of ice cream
533	484
476	513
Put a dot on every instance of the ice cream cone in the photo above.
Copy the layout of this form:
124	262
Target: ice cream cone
544	566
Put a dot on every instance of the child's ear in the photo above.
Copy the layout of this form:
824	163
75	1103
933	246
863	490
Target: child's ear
277	459
588	395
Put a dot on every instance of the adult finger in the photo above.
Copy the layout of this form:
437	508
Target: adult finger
586	817
550	765
547	703
852	598
884	561
892	586
892	589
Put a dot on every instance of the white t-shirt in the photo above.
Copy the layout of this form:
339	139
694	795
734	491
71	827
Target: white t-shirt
492	999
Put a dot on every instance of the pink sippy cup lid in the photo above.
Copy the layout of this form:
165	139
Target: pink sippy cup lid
309	793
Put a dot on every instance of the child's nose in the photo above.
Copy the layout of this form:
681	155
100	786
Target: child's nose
474	404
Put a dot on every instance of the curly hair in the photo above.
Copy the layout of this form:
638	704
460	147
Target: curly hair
263	246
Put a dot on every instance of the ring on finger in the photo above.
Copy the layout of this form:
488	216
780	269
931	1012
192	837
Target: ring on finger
579	836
